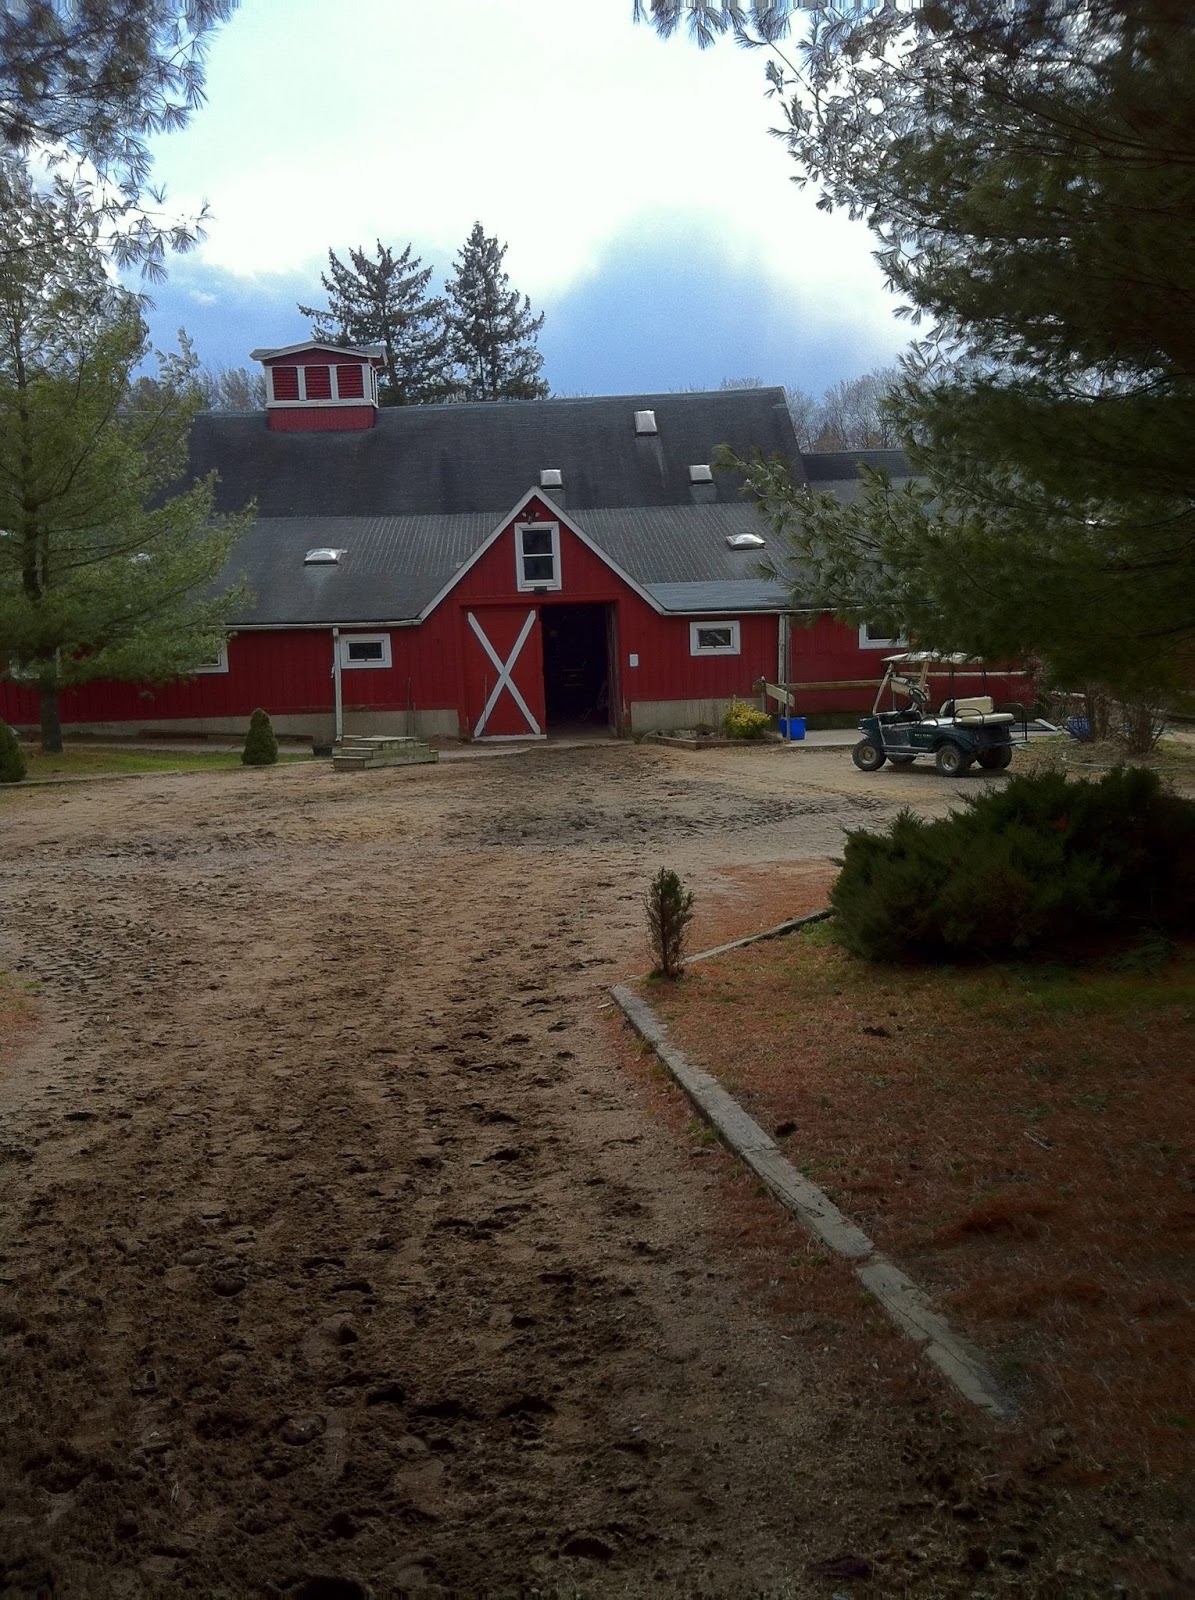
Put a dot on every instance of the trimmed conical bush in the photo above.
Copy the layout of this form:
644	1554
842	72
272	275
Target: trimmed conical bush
12	762
261	747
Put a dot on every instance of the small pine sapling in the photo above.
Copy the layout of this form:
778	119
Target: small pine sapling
261	747
669	911
12	762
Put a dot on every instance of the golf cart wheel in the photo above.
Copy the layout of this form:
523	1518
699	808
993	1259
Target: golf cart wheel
901	761
868	756
951	760
997	758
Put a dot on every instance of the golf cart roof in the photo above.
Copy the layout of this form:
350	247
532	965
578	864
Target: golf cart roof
915	657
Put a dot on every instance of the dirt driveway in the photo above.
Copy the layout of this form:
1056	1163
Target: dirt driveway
338	1253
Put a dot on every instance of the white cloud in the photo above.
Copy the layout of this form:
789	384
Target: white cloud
560	127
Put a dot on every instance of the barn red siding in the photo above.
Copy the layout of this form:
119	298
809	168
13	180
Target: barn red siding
666	669
828	652
284	672
441	666
321	419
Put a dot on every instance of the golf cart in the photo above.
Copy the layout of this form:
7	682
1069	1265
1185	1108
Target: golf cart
964	729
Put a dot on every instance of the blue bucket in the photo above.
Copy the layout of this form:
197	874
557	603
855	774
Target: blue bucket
792	727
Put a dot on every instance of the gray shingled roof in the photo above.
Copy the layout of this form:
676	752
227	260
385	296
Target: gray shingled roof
444	460
393	567
411	499
825	467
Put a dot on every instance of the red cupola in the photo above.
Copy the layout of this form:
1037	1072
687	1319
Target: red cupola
321	388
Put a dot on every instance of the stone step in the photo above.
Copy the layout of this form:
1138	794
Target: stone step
363	752
374	741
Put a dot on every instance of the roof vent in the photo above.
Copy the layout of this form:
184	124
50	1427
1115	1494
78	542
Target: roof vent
700	474
550	478
745	541
323	556
645	422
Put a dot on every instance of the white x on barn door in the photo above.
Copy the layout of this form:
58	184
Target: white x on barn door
505	675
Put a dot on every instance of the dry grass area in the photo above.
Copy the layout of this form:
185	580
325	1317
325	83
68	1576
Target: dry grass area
1017	1136
1173	758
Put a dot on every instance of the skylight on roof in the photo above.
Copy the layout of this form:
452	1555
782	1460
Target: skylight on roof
700	473
323	556
550	478
645	422
745	541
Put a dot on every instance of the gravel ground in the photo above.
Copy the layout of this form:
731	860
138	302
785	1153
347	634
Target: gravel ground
339	1257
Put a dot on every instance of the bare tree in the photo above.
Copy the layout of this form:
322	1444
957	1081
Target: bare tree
232	389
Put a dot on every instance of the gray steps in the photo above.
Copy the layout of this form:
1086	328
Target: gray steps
359	752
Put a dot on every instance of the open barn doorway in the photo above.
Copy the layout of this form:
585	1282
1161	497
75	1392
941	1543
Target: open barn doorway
576	642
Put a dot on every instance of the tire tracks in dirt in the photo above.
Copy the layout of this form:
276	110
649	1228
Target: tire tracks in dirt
339	1252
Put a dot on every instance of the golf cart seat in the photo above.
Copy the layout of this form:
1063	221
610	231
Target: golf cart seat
977	709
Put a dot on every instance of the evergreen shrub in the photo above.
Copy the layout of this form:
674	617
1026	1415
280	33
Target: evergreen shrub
669	907
12	762
741	721
261	747
1041	861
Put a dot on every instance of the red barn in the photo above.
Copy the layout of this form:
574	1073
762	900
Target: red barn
490	571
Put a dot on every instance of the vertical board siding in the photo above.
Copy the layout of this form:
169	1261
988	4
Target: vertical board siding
440	665
827	651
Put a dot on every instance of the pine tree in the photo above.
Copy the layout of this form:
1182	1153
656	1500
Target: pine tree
491	332
92	583
669	907
97	80
385	302
261	745
1029	172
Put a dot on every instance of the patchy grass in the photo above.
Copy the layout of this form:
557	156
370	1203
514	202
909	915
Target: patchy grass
1173	758
103	761
1017	1136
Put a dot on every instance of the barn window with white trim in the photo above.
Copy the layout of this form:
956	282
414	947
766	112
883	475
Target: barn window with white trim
872	638
365	650
713	638
216	663
537	555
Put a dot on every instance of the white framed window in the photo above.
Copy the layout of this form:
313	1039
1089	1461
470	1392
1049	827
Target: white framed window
364	650
537	555
876	639
216	663
713	638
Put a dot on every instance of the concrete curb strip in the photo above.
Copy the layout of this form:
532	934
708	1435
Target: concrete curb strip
778	932
907	1305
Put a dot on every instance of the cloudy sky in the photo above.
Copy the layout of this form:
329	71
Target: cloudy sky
647	210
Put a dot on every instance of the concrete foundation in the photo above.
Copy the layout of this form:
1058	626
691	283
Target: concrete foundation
661	716
318	726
